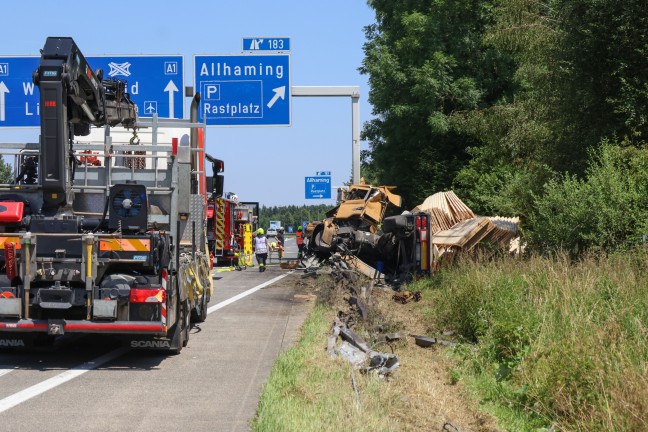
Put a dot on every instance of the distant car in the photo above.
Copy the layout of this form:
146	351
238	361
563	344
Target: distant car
272	232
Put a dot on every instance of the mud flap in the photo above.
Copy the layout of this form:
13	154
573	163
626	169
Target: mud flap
180	333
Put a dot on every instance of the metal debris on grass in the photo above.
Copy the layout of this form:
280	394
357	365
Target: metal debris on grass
406	297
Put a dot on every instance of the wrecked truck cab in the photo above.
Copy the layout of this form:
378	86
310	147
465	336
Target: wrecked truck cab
365	202
354	222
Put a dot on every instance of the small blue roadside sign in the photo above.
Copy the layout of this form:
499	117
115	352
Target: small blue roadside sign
266	44
153	82
243	90
318	187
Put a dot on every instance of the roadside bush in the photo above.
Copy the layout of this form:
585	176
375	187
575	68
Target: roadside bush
558	342
607	209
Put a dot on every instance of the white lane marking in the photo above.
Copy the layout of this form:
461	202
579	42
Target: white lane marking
43	386
40	388
245	294
5	369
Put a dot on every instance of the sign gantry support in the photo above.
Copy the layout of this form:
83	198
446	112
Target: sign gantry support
340	91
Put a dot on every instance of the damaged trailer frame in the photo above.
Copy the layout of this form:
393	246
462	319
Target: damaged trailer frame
395	247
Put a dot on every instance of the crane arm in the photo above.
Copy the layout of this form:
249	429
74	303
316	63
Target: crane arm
72	98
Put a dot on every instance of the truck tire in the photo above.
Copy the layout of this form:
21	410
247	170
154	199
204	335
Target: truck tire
199	313
180	337
187	325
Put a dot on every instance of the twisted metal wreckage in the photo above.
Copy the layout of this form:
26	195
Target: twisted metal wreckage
357	238
396	248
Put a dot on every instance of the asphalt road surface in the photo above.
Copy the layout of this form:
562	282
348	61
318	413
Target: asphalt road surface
91	383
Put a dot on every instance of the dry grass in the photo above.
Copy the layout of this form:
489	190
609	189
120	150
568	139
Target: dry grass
559	343
308	391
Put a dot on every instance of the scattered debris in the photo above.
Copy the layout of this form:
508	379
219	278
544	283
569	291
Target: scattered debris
351	354
407	296
390	337
355	350
289	264
449	427
425	341
361	307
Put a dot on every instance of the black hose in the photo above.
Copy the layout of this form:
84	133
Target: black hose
103	217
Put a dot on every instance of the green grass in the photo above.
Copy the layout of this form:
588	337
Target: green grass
555	342
308	391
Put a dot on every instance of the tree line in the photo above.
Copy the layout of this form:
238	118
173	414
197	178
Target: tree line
527	108
292	215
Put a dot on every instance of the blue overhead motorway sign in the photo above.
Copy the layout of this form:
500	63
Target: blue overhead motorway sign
317	187
243	90
155	84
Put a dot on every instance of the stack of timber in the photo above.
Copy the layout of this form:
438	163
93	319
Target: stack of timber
454	227
467	234
446	210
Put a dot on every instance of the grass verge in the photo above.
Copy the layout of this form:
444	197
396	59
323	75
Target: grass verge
553	342
308	391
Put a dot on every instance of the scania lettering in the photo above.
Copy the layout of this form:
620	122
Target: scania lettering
11	343
150	344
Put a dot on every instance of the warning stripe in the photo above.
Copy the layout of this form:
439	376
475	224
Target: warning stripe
220	223
163	309
14	240
125	245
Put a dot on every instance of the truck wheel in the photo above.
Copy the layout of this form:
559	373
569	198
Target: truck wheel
180	336
187	325
199	314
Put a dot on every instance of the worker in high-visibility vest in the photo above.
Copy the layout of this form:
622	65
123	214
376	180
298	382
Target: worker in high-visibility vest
300	237
261	249
277	247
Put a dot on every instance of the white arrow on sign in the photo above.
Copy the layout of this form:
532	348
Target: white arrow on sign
280	92
3	90
318	196
171	88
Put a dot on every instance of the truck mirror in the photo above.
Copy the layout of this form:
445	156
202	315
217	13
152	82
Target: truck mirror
218	185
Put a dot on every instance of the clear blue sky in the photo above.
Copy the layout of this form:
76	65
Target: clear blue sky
265	164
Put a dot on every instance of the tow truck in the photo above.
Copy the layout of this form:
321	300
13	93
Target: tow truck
102	237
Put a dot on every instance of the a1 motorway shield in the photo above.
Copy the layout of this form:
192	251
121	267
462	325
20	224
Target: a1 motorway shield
243	90
317	187
155	84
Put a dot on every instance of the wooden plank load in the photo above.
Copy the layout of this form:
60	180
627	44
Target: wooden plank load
454	227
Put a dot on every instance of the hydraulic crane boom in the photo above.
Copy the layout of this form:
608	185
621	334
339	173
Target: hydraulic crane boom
72	99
